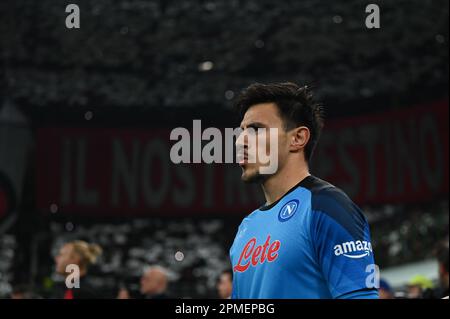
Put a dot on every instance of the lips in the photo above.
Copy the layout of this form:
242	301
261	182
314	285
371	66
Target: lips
242	158
243	162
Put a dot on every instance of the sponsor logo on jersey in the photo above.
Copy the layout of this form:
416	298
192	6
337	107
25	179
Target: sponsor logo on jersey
253	254
353	249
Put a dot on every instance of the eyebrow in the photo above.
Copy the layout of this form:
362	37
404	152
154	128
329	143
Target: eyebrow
256	125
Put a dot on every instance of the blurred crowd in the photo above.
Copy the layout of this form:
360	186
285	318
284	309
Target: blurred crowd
159	53
419	286
155	280
192	251
406	233
153	283
188	258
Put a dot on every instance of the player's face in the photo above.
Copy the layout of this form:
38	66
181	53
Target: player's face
260	118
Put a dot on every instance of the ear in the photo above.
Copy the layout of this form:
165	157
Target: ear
299	138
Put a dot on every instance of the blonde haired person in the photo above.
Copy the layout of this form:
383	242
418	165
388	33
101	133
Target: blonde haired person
77	254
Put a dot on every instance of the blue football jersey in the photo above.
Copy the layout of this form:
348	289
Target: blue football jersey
314	242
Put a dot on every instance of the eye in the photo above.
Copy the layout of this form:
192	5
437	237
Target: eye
254	129
251	131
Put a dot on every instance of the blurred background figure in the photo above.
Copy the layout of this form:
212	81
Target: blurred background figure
442	256
225	284
123	294
418	287
154	283
22	291
385	291
84	255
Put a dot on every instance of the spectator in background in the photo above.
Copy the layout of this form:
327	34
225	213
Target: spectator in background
154	283
419	286
83	255
225	284
123	293
441	253
385	291
20	291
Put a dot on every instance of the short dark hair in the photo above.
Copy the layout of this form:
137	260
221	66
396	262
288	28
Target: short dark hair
227	271
296	106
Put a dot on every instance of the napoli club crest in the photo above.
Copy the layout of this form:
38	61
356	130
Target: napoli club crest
288	210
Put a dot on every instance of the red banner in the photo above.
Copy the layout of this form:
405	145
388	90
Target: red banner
391	157
129	172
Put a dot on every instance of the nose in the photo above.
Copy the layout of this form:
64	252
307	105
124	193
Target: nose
241	141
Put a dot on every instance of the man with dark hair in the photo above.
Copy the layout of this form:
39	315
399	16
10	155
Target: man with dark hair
225	284
309	240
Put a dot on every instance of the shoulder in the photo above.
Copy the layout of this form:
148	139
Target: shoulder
88	291
331	203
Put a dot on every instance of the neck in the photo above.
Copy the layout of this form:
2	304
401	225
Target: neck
279	184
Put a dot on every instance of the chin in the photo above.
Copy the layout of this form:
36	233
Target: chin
252	177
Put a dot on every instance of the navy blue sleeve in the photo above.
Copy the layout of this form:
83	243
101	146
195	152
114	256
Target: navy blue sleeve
361	294
341	239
